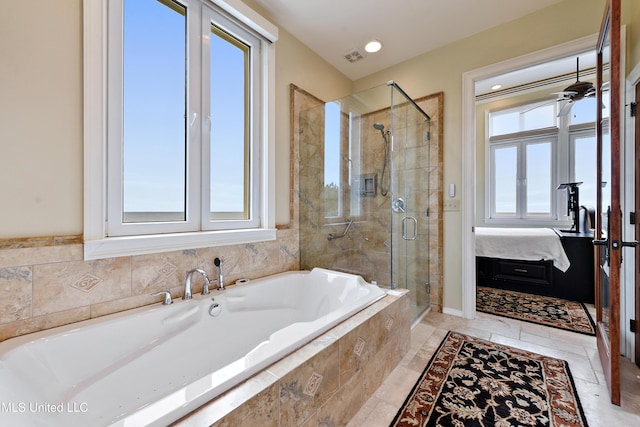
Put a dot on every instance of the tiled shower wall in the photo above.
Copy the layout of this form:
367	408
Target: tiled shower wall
45	283
366	249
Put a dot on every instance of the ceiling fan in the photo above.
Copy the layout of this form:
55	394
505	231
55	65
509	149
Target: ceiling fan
571	94
575	92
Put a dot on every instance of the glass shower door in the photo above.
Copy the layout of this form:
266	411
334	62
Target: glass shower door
410	202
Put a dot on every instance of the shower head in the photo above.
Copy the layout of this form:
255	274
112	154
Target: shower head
379	126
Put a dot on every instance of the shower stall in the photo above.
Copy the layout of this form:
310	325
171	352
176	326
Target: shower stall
365	202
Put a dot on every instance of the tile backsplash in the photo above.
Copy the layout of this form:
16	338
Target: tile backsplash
45	282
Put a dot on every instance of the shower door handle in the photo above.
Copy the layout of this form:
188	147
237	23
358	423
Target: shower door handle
404	228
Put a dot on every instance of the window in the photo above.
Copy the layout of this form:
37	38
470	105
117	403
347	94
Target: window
582	149
522	184
185	124
332	160
582	144
531	151
522	118
153	115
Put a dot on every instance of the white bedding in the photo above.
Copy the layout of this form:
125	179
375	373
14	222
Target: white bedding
531	244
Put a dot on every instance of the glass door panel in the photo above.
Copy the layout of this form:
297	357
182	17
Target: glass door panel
410	202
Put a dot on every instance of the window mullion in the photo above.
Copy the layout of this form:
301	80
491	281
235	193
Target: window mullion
521	190
196	118
205	103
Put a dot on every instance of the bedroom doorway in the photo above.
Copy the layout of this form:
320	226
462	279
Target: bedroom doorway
470	174
469	159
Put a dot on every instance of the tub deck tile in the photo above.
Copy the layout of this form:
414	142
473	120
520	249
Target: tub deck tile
257	397
308	387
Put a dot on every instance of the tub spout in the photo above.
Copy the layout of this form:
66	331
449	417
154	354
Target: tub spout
218	263
187	283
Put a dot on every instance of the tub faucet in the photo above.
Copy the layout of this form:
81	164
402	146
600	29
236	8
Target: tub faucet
187	283
218	263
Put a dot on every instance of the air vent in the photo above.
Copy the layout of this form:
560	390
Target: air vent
353	55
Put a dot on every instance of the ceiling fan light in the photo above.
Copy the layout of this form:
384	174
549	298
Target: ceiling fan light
373	46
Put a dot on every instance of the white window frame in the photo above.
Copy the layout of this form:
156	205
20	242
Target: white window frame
563	171
521	140
96	92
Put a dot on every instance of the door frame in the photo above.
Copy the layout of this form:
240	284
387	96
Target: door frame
468	209
631	271
608	332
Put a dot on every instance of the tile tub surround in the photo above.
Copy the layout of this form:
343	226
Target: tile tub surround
323	383
44	282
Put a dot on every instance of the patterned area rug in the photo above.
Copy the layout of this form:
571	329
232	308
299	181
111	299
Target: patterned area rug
470	382
554	312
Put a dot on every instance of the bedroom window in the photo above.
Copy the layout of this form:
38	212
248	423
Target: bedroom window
185	130
523	142
531	151
521	182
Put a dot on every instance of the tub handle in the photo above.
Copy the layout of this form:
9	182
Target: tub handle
167	297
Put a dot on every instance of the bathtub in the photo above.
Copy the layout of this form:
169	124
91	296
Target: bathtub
153	365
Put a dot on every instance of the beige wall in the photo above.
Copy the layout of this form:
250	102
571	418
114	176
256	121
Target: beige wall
41	170
41	118
631	17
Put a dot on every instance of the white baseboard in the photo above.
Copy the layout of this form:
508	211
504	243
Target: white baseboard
453	312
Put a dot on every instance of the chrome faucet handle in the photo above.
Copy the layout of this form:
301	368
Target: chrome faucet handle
167	297
187	283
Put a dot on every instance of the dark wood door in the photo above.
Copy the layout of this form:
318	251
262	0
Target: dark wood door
608	233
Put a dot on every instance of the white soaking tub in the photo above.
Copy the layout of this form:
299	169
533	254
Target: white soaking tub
152	365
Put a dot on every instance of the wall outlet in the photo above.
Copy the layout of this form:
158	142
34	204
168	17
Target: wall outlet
451	205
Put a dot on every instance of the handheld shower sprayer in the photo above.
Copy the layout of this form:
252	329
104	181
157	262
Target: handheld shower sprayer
383	190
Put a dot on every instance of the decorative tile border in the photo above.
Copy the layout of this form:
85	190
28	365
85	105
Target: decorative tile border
312	385
87	282
359	347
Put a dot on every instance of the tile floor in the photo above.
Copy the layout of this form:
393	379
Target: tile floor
578	349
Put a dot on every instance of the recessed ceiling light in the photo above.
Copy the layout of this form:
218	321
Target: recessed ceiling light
373	46
496	87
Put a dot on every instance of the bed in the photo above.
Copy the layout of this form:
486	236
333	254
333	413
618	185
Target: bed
541	261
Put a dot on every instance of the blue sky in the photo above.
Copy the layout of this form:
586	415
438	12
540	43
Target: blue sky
155	108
